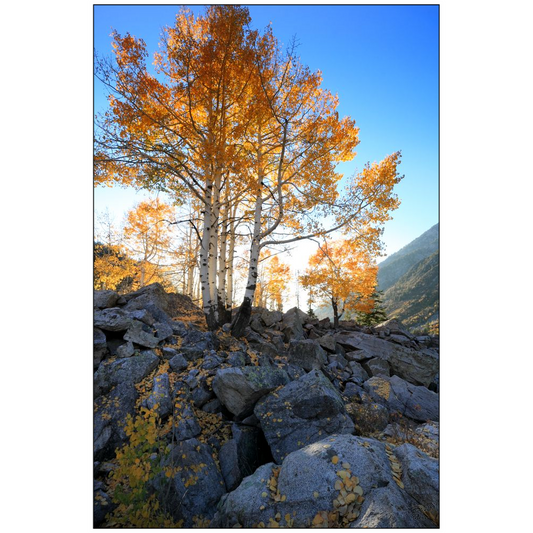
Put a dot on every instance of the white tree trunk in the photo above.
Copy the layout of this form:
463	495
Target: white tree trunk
229	261
222	264
207	301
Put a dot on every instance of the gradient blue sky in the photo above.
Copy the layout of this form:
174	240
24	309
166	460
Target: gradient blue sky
382	61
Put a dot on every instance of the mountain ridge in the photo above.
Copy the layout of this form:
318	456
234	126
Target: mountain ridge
409	280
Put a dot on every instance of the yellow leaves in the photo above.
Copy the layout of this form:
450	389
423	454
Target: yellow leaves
342	272
335	459
318	520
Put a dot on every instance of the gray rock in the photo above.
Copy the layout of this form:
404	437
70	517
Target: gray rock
104	299
195	343
390	507
141	334
401	339
192	378
130	370
143	315
270	318
352	391
429	437
301	413
377	367
100	347
162	331
211	361
110	414
339	359
420	476
413	401
185	424
160	396
327	342
202	394
307	353
368	417
277	342
313	334
153	294
325	323
239	457
179	328
246	506
178	363
417	367
168	353
195	490
158	314
393	326
212	406
358	373
294	372
291	326
264	347
236	359
240	388
356	355
125	350
257	324
307	482
112	319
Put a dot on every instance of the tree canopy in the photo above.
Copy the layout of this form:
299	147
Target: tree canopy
244	130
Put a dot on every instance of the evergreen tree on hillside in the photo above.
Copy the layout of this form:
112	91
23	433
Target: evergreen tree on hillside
377	315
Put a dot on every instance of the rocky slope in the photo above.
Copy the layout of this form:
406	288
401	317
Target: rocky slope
410	281
414	298
397	264
295	425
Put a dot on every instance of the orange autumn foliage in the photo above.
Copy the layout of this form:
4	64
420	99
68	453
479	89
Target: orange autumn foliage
344	275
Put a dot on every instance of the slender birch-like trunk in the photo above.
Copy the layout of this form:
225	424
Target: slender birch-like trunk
208	305
213	250
229	262
222	268
245	311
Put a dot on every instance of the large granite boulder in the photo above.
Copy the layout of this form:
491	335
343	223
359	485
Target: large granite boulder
142	334
112	319
342	476
110	412
420	477
398	395
377	367
240	388
302	412
291	325
390	507
270	318
195	485
130	370
195	343
307	354
153	294
416	366
104	299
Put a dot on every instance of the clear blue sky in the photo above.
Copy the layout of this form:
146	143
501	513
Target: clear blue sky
382	61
